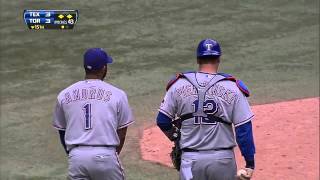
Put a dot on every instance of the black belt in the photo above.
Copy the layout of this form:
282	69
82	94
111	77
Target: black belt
179	121
86	145
194	150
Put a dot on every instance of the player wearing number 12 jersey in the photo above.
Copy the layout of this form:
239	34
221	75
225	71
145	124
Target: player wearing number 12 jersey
206	107
92	117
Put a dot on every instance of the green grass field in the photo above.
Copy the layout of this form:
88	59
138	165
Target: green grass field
272	45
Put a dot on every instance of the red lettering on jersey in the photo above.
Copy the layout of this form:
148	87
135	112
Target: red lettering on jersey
76	95
92	93
100	94
107	96
67	98
84	94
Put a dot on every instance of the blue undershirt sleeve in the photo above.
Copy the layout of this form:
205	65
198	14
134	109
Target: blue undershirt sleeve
244	138
164	122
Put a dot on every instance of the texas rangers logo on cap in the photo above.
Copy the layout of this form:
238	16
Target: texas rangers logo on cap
209	46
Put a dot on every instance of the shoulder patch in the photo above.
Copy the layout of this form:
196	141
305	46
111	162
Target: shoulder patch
240	84
173	80
243	87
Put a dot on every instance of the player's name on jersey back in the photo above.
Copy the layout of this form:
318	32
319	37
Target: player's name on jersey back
50	19
83	94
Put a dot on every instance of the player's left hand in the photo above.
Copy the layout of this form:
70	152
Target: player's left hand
245	174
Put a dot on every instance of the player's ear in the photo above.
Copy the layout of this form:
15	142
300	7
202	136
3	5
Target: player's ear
105	68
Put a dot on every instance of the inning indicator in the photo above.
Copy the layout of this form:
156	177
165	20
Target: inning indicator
50	19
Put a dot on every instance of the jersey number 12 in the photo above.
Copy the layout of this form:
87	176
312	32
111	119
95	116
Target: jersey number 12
87	116
210	107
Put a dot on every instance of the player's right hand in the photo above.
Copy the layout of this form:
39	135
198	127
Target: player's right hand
245	174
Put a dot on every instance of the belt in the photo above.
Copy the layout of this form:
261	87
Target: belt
178	122
86	145
194	150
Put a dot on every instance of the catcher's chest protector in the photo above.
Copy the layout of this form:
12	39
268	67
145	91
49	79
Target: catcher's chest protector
191	77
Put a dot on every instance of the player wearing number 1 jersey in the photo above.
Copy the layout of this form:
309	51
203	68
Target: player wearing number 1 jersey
92	117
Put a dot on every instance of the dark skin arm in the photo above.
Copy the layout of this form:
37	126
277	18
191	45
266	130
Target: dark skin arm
122	137
62	134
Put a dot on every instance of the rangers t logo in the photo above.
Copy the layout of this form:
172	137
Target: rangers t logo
209	46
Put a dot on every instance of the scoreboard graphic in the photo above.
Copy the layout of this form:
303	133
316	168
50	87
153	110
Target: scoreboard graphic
50	19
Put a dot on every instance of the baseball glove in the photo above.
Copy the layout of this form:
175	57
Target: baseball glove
176	155
176	150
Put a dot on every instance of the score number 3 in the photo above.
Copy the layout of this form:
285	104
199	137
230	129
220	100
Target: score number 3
87	116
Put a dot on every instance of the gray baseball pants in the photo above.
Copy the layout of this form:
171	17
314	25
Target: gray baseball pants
208	165
94	163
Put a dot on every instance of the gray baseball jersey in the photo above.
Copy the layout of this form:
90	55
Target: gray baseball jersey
90	112
223	100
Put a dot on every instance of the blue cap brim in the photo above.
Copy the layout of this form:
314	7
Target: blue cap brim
212	53
109	60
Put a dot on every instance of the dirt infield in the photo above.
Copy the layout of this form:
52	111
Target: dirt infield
286	137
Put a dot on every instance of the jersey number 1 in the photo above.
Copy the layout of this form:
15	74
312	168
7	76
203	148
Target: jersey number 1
87	116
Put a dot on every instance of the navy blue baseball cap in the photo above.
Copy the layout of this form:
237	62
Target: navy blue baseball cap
96	58
208	47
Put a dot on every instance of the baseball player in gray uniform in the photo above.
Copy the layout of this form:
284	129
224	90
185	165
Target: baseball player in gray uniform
210	106
92	117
